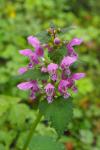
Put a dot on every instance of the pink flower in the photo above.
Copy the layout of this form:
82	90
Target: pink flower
34	89
70	45
35	86
77	76
63	76
67	61
36	44
28	85
57	41
22	70
34	58
32	55
74	88
31	85
71	80
62	88
49	89
30	65
39	51
33	41
52	69
32	95
25	85
67	95
75	41
71	84
44	69
65	73
26	52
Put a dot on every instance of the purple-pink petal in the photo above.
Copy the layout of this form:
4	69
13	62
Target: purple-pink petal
32	95
44	69
54	77
75	41
22	70
63	85
33	41
49	99
35	86
25	85
74	88
26	52
30	65
39	51
34	58
78	76
52	67
49	88
67	95
67	61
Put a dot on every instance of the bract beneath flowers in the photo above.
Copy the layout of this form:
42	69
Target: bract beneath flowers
60	76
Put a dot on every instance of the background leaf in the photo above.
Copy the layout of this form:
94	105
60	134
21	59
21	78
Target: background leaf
45	143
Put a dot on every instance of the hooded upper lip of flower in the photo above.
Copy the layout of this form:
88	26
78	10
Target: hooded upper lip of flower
29	85
73	42
43	69
77	76
67	61
25	85
32	55
39	51
63	85
52	68
26	52
33	41
73	77
22	70
37	45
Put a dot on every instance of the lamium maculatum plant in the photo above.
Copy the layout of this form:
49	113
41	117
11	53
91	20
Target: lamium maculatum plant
50	79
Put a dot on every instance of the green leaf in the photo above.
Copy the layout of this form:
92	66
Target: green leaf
18	114
35	74
86	136
45	143
3	107
59	112
21	139
57	54
2	147
7	137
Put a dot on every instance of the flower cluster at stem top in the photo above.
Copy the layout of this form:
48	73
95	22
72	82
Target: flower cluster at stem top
61	79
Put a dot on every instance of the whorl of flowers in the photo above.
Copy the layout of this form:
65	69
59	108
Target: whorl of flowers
60	76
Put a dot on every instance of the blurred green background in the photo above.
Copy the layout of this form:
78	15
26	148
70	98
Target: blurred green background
21	18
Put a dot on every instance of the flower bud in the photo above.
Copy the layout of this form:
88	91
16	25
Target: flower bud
57	41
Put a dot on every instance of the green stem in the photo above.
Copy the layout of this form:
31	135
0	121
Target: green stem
32	130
